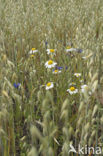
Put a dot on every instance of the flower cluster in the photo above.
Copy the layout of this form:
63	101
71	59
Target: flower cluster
51	64
32	52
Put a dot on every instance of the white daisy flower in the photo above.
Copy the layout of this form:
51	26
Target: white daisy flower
77	74
51	51
81	80
56	71
49	85
72	84
83	88
72	90
86	88
50	64
84	57
69	49
33	50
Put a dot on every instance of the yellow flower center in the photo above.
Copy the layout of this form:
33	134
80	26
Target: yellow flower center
50	62
32	56
72	88
68	47
33	49
56	71
77	75
52	50
48	84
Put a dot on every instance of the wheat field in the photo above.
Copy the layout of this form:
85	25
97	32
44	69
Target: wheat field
51	77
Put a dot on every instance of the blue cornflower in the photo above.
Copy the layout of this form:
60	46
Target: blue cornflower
66	67
80	50
59	67
16	85
46	43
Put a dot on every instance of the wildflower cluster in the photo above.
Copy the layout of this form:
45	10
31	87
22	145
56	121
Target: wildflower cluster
51	64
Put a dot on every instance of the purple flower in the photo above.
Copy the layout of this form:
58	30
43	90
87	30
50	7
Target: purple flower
46	43
66	67
79	50
16	85
59	68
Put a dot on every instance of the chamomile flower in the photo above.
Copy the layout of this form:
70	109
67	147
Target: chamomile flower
51	51
49	85
81	80
86	88
77	74
69	49
84	57
56	71
72	90
32	56
72	84
33	50
50	64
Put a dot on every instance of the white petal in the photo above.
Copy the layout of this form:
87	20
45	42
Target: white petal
83	86
33	51
49	87
71	49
